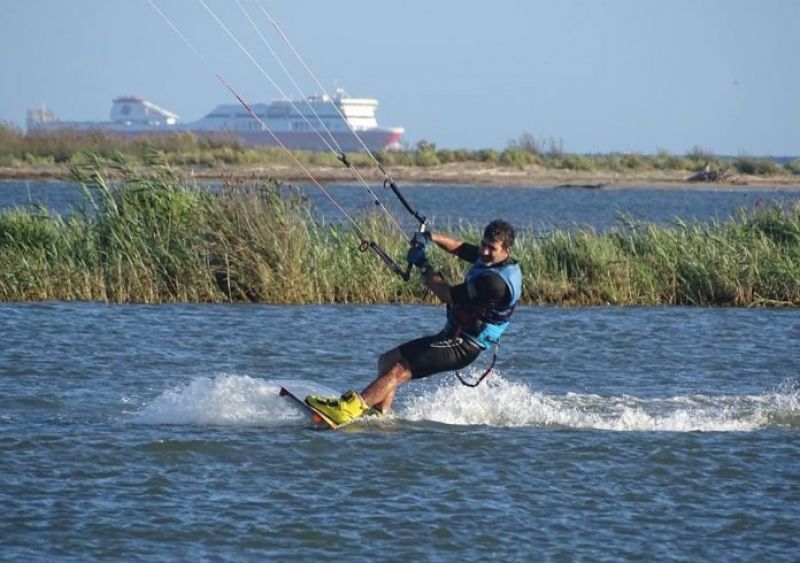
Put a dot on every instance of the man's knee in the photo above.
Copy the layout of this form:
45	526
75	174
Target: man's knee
386	360
391	360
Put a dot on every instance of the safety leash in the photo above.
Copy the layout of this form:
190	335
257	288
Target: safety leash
483	376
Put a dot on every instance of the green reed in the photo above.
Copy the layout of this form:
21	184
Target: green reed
152	238
62	148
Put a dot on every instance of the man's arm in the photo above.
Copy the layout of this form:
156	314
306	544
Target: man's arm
463	250
432	279
438	286
447	243
488	289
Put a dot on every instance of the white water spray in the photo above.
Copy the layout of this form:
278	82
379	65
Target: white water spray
506	403
248	401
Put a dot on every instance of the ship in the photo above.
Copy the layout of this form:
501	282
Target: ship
295	123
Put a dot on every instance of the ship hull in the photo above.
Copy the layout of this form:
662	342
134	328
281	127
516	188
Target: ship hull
375	140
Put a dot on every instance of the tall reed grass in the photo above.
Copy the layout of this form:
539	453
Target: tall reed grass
150	238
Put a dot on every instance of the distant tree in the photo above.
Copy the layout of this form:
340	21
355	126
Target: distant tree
555	148
488	155
578	162
666	161
699	153
446	155
698	157
426	154
518	157
10	139
424	145
462	155
756	166
793	166
526	142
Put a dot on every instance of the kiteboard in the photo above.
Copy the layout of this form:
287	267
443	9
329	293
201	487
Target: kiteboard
319	419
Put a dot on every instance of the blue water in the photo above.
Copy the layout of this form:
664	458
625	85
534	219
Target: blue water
536	209
135	432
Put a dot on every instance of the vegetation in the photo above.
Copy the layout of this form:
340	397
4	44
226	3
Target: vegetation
152	239
793	166
70	148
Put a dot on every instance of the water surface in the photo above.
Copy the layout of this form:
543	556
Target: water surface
528	208
155	432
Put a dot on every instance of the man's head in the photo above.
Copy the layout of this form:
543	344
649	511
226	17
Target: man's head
498	238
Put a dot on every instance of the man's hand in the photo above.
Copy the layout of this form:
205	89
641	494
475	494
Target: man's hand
416	256
421	239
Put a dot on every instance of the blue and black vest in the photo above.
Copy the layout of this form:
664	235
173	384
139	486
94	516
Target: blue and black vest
484	324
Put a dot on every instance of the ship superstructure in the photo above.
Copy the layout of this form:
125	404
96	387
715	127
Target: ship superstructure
292	122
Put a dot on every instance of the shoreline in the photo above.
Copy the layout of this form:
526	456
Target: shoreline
451	174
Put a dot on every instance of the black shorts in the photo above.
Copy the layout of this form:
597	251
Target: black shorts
438	353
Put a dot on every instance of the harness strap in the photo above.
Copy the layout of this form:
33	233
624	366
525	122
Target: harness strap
483	376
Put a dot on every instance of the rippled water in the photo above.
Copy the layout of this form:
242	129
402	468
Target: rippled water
538	209
155	432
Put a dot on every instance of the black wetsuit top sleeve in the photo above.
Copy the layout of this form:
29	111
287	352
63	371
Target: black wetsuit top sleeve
468	252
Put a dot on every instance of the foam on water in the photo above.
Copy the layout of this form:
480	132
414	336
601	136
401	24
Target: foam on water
500	402
244	400
224	399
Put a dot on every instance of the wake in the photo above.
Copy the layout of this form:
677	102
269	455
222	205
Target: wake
513	404
242	400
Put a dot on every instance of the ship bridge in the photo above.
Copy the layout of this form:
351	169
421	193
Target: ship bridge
131	110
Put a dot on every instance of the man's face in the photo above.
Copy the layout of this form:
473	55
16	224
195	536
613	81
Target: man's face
492	252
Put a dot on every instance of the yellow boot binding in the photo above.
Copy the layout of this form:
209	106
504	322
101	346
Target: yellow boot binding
344	409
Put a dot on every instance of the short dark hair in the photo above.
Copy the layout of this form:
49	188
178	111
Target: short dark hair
500	230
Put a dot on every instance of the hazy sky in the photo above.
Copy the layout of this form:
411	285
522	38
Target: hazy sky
600	76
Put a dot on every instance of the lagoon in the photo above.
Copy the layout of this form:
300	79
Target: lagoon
537	209
142	432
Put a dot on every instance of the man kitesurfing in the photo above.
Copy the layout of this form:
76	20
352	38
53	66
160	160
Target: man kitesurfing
478	312
478	309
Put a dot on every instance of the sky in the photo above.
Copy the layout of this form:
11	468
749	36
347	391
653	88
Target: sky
593	76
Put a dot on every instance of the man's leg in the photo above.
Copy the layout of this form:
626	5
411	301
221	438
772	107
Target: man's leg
393	371
428	354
